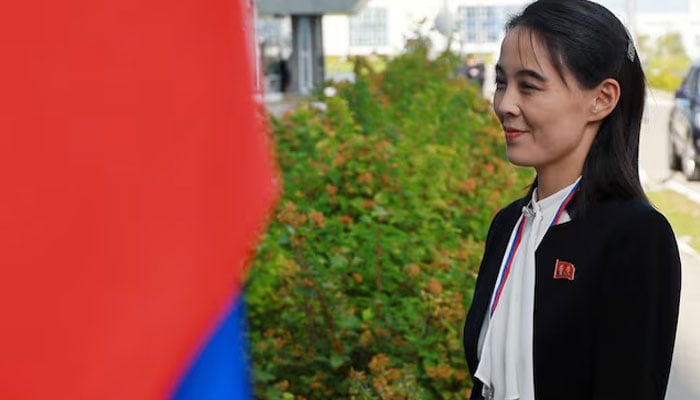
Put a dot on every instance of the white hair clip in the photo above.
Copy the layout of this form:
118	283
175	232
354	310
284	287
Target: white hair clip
630	50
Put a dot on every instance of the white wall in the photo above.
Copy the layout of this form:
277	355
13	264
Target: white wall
402	20
336	35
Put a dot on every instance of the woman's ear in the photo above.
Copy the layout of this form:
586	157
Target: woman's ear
606	96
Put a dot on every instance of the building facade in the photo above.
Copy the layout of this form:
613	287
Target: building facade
382	26
476	26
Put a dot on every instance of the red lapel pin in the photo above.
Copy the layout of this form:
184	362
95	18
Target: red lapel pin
564	270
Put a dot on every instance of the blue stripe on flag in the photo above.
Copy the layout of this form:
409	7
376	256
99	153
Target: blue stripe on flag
221	371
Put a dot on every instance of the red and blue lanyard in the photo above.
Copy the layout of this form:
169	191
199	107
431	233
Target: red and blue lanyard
515	243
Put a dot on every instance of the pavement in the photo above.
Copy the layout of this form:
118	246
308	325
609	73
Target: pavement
684	383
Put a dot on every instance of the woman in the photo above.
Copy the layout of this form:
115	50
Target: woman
578	291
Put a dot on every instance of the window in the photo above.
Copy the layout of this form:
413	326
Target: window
690	81
268	30
369	28
492	25
483	24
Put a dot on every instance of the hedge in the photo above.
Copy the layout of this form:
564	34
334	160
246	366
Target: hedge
360	286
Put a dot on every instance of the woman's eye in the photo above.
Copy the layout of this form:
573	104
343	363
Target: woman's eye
527	86
500	84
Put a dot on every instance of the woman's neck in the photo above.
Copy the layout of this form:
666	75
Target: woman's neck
547	185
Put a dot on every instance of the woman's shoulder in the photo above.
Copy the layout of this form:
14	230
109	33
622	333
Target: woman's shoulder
511	211
505	219
632	215
629	208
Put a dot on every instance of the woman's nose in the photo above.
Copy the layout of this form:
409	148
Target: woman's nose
505	103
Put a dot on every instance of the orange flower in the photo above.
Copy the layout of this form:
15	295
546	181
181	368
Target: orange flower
412	270
287	214
315	385
278	343
366	338
460	375
378	362
292	268
332	190
392	374
382	145
467	186
346	219
443	264
441	372
317	218
379	383
381	332
339	160
308	283
365	177
434	286
357	376
357	277
297	241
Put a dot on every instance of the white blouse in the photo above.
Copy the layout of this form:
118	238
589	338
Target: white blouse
505	341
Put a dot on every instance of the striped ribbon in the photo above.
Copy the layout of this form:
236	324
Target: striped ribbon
515	241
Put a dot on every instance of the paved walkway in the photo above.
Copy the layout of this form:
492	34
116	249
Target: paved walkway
277	104
685	371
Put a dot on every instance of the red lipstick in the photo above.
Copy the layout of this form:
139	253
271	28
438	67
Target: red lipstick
512	133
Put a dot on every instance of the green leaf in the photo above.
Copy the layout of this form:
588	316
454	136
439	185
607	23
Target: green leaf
379	212
337	360
338	261
349	321
367	314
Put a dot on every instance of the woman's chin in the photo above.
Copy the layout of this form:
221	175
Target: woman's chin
519	160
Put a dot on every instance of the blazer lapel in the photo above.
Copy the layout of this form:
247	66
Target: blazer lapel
496	244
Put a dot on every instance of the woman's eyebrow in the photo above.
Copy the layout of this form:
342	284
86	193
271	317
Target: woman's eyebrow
524	72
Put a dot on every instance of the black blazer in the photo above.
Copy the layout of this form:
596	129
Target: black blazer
609	332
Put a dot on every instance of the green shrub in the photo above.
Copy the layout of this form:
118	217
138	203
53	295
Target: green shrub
335	64
665	60
667	74
360	286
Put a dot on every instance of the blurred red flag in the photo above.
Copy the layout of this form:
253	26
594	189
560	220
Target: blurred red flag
134	176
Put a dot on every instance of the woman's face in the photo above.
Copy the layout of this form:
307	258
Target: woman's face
546	119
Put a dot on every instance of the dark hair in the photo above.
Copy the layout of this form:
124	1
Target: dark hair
592	44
